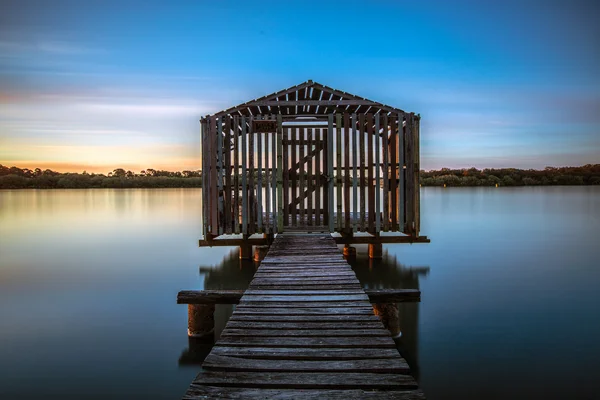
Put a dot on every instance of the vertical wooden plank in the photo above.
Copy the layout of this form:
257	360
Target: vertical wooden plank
236	177
325	182
318	186
410	181
204	153
274	181
286	176
401	174
214	194
244	174
347	224
279	174
354	175
220	166
251	183
386	175
370	185
393	144
309	176
362	150
338	161
417	161
301	186
227	195
259	184
267	221
330	170
294	177
377	184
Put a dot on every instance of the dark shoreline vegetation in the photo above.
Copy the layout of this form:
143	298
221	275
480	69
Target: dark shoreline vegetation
23	178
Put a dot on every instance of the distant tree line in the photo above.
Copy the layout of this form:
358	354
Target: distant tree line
585	175
22	178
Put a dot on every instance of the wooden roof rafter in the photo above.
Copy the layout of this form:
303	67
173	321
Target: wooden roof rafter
307	98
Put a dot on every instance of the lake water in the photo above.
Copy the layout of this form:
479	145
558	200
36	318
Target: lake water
88	280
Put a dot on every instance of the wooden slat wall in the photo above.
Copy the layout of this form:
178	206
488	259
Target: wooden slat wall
417	141
282	174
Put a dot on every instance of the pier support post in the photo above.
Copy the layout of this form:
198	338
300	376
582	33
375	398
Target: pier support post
201	320
388	313
375	250
246	252
260	252
349	252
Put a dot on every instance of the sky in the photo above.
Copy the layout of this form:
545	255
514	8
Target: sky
96	85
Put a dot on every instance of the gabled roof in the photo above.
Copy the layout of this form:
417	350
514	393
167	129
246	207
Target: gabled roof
308	98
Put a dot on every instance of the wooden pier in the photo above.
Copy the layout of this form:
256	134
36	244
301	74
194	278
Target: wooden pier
304	329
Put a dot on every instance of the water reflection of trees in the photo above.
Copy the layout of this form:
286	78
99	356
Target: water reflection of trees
385	273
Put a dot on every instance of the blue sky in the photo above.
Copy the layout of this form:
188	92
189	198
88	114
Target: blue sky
97	85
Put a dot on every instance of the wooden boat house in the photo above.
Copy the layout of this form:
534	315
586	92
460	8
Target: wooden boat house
310	158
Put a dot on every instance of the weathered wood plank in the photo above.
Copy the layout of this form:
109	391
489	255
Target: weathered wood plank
377	184
307	332
308	380
245	310
306	318
338	180
203	391
310	177
227	195
302	176
363	180
321	353
370	183
286	175
337	342
251	186
294	176
393	144
355	163
347	163
323	298
330	176
259	184
279	183
386	175
318	169
386	365
236	177
244	174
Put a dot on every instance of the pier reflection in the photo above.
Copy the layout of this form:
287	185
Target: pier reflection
384	273
389	273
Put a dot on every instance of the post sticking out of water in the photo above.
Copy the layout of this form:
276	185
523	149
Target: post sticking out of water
246	252
349	252
375	250
388	313
201	320
260	252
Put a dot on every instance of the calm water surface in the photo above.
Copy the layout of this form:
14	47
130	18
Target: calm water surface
88	279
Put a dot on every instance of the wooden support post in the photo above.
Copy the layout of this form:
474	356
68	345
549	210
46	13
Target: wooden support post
201	320
349	252
245	251
388	313
260	252
375	250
